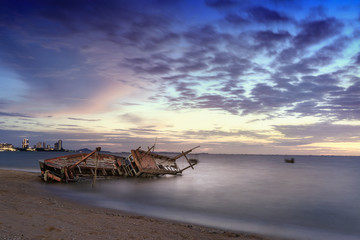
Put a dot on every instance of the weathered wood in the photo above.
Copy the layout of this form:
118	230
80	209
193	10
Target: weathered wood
139	163
188	160
182	154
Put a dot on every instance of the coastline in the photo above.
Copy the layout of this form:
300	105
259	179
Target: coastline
29	212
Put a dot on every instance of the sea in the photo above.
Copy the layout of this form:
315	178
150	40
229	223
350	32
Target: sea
315	198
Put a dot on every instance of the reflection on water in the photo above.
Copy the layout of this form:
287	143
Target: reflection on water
315	198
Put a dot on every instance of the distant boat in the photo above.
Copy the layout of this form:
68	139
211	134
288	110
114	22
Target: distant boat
289	160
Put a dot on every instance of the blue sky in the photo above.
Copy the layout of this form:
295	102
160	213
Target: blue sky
232	76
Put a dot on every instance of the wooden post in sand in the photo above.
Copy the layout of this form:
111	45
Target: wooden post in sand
96	167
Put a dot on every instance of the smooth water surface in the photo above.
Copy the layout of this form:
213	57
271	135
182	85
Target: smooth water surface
315	198
26	160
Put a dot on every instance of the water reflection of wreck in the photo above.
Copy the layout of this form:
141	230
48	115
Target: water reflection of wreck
139	163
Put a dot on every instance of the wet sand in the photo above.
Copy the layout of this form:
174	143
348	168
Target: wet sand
27	211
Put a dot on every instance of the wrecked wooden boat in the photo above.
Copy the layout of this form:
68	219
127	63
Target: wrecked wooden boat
139	163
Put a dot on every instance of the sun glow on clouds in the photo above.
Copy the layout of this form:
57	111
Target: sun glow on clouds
233	76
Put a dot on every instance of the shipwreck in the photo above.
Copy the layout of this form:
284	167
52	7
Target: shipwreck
139	163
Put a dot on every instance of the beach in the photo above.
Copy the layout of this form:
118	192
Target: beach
28	211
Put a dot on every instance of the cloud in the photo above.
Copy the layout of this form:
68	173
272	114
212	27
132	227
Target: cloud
345	104
300	67
132	118
357	61
221	3
68	125
265	15
235	19
269	39
205	36
320	132
314	32
192	67
326	55
221	133
83	119
8	114
287	55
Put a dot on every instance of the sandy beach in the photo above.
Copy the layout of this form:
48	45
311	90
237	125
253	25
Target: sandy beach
27	211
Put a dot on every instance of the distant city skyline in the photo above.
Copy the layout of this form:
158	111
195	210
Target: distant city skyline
233	76
25	144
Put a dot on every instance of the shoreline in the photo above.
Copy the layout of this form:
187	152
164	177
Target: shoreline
29	212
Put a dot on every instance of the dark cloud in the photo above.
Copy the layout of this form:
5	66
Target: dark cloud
322	80
205	36
269	39
357	60
148	41
232	88
317	31
306	96
10	114
236	19
205	101
147	65
140	60
230	65
175	78
287	55
327	99
69	125
143	130
223	58
195	66
185	90
265	98
320	131
301	67
265	15
345	104
218	102
307	108
336	47
158	69
83	119
221	3
322	57
221	133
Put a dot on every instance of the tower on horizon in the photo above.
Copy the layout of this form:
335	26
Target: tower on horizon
58	145
25	143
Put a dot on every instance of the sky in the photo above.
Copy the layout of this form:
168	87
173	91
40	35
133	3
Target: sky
236	77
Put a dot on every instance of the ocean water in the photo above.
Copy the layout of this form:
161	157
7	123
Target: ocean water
317	197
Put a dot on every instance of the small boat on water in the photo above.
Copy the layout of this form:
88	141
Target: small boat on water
289	160
139	163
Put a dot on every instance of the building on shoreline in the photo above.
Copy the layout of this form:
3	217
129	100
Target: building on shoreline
7	147
58	146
